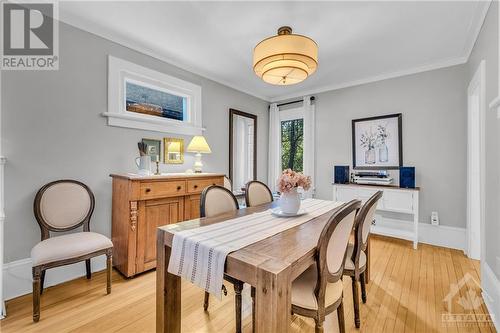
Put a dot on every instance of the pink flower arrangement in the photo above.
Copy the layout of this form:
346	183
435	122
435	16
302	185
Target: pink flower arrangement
290	179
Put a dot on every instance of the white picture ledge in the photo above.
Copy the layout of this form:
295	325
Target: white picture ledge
157	125
142	98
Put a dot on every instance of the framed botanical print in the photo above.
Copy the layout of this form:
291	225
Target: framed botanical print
174	151
153	149
377	142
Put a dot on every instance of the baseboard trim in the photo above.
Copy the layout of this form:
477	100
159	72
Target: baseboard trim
18	278
491	293
442	235
439	235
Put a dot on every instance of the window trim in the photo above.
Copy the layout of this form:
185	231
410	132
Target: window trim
120	71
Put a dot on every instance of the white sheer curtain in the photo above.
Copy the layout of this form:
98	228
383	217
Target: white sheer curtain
274	159
309	143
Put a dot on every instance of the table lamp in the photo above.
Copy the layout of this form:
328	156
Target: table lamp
198	145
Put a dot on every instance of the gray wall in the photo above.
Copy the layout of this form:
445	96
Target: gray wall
486	48
52	129
433	105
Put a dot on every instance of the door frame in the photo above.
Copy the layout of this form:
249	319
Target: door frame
477	82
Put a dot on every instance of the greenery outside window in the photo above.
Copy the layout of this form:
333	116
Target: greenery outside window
292	144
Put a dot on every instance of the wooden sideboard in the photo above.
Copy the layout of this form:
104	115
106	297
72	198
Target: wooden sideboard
142	204
394	200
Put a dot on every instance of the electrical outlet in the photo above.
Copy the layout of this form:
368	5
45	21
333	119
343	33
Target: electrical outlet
434	218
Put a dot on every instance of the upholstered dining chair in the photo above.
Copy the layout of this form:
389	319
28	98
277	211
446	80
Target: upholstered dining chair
257	193
216	200
318	291
59	206
356	262
228	184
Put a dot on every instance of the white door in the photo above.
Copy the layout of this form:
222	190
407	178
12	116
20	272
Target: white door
475	164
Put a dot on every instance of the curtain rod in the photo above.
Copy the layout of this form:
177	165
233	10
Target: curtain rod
297	101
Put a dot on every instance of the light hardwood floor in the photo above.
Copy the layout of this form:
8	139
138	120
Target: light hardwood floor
405	294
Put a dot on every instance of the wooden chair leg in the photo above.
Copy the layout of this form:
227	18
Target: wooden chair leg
238	287
252	293
340	315
363	287
109	268
355	299
42	281
37	272
205	302
318	328
88	268
368	259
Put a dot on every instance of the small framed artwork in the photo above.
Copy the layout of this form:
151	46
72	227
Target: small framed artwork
174	151
153	149
377	142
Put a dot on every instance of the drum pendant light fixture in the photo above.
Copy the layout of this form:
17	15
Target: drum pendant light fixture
286	58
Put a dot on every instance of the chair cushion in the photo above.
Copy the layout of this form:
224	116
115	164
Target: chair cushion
303	290
258	194
349	265
68	246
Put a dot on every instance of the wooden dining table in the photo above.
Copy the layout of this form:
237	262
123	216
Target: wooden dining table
269	265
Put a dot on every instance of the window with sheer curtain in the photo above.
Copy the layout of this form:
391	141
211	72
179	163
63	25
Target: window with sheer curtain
291	138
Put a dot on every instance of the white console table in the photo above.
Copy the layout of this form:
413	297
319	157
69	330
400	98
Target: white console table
394	199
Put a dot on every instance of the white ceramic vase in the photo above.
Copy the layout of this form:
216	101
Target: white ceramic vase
290	202
144	165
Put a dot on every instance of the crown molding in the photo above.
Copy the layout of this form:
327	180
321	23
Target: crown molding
475	26
85	25
473	31
376	78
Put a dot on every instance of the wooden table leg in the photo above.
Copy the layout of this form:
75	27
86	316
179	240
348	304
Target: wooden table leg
168	291
368	256
273	298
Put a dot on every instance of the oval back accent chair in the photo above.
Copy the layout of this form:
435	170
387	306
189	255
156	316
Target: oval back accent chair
216	200
356	263
59	206
257	193
317	292
228	184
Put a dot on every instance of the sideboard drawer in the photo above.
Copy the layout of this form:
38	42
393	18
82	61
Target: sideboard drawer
398	201
162	189
197	185
346	194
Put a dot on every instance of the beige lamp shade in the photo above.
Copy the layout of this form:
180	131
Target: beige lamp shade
198	144
286	58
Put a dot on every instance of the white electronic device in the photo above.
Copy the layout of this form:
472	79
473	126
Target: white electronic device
434	218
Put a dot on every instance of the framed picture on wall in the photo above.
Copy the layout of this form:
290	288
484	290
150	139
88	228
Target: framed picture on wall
377	142
153	149
173	151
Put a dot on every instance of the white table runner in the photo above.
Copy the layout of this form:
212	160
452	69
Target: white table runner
199	255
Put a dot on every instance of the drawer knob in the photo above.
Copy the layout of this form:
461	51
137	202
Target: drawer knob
148	190
196	186
213	184
179	188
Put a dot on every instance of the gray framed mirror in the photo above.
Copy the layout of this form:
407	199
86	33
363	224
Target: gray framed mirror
242	149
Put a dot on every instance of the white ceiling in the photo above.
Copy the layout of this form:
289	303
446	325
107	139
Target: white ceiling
358	42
